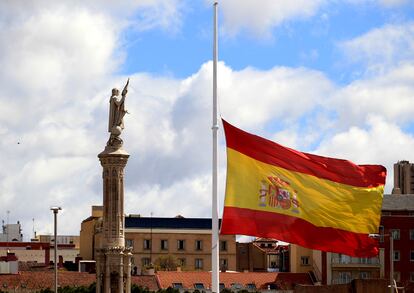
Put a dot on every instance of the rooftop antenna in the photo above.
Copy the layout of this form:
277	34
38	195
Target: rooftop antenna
7	227
34	233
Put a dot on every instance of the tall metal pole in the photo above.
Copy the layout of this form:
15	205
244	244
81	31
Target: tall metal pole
215	127
55	212
391	262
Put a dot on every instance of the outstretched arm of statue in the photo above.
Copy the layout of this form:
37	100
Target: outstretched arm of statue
125	90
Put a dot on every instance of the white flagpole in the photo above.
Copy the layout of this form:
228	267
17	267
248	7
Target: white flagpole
215	127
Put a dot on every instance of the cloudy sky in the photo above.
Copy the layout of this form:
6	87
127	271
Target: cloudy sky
332	77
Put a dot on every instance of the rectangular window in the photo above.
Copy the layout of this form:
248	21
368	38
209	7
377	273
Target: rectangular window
199	286
177	285
129	243
344	277
147	244
164	244
411	276
223	264
198	263
395	233
198	245
223	245
412	255
396	255
411	234
146	261
381	233
180	244
304	260
364	275
251	287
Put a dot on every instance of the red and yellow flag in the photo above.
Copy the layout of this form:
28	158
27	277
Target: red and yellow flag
317	202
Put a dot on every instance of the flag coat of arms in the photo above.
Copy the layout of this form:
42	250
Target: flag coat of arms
317	202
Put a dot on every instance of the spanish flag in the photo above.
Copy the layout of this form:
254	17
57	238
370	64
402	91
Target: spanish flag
317	202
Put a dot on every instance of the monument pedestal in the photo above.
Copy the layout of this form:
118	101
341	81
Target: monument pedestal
113	259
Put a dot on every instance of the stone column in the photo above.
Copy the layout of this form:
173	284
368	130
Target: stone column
113	251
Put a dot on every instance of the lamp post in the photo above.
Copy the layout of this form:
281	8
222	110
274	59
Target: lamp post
55	212
391	235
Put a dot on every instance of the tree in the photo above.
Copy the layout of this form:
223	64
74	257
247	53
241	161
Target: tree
166	263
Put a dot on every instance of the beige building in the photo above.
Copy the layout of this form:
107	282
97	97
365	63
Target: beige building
186	240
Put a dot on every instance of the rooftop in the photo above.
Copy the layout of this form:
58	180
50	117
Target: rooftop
167	223
398	202
260	280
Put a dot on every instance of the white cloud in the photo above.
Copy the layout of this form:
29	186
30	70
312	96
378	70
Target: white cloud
259	18
389	95
382	48
381	142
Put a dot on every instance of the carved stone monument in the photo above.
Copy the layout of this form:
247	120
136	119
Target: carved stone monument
113	259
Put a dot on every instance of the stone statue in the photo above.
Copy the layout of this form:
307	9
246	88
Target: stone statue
116	116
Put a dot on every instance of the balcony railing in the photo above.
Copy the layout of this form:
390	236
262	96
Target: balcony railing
356	261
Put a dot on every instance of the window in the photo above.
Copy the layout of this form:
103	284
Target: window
180	244
364	275
199	245
395	233
412	255
129	243
344	277
223	263
223	245
199	286
177	285
164	244
146	261
396	255
147	244
198	263
411	276
381	233
251	287
411	234
181	262
304	260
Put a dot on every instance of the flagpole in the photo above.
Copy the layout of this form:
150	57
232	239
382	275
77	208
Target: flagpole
215	127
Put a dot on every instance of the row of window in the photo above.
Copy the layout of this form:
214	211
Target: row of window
395	233
181	244
198	262
397	255
200	286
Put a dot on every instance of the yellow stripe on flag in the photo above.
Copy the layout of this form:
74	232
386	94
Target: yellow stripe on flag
255	185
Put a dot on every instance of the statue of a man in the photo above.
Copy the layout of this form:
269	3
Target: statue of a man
116	115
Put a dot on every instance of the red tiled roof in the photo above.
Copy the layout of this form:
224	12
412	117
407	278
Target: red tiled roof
261	280
45	279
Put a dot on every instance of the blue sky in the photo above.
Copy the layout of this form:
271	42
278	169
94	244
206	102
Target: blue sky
335	78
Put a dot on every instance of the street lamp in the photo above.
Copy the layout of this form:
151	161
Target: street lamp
55	212
391	235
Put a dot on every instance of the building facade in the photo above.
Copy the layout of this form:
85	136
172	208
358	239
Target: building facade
403	178
11	232
186	242
262	255
398	220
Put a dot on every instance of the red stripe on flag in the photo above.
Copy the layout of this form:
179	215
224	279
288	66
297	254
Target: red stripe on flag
337	170
295	230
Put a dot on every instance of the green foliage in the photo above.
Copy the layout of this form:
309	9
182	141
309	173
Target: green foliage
47	290
166	263
138	289
226	290
168	290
